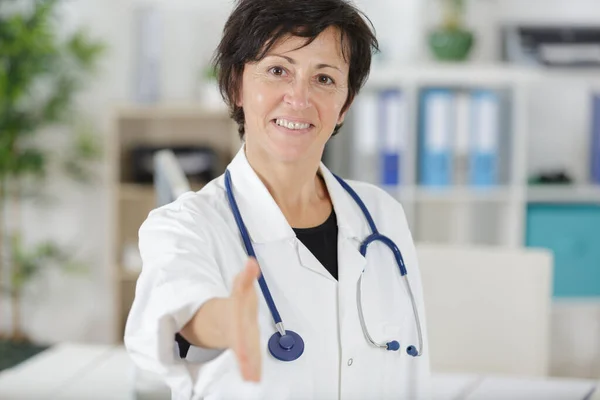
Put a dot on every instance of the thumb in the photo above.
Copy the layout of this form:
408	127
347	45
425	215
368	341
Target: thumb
250	273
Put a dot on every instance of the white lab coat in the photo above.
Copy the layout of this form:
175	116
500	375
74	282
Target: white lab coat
192	250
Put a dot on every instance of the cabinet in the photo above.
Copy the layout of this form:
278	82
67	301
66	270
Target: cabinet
572	232
131	201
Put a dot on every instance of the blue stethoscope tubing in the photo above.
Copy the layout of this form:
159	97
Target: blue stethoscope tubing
287	345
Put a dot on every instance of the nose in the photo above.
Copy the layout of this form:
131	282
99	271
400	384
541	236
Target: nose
298	95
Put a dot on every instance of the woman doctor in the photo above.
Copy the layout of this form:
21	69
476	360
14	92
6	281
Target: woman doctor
273	272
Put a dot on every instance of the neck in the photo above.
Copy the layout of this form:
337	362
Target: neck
297	188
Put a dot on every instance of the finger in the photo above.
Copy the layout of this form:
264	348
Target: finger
250	369
249	362
253	268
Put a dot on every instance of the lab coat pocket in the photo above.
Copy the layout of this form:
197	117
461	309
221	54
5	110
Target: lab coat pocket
399	368
392	370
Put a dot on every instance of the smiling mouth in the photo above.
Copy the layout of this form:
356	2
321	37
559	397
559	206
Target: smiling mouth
292	126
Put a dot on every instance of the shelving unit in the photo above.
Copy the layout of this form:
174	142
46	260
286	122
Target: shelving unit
161	126
451	214
513	213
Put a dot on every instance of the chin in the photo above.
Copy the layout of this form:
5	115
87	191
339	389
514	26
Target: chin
291	150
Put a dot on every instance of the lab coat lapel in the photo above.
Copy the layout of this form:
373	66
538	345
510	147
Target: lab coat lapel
352	228
263	219
309	261
266	223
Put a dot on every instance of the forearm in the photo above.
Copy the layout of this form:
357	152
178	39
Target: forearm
210	326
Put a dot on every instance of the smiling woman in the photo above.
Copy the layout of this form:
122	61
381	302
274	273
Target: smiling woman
289	71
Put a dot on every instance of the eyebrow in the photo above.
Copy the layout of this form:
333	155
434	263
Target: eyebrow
293	62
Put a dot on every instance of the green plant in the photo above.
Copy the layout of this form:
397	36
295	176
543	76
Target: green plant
41	72
453	14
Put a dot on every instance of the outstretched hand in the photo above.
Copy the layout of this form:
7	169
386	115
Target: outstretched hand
245	333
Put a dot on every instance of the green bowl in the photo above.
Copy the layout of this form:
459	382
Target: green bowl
451	45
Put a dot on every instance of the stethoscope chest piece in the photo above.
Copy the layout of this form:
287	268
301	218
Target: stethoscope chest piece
288	347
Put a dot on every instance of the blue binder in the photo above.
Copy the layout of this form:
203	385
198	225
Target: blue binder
436	137
485	132
595	156
392	122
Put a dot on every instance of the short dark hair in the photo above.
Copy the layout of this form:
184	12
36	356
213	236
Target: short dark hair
255	26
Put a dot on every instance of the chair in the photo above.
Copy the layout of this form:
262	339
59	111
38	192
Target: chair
170	181
487	308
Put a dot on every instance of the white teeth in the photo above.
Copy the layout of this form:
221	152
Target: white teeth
291	125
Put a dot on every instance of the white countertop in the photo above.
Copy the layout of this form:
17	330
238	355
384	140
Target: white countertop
103	372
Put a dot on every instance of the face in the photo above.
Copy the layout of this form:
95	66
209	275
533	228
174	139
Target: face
293	98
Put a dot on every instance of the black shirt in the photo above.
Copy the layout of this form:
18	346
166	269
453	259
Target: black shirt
320	240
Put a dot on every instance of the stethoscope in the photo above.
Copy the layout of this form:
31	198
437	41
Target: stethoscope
287	345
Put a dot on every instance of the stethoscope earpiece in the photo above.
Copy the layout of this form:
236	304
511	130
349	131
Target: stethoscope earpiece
393	345
288	347
412	351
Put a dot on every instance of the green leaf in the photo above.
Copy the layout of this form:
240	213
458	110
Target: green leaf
30	161
85	50
58	105
27	264
85	148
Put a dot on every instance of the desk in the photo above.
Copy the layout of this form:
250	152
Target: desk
92	372
474	387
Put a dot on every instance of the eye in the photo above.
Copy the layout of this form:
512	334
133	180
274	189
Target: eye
277	71
324	79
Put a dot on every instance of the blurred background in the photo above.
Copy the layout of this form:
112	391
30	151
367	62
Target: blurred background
482	117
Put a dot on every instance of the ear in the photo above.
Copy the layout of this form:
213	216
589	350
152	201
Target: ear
342	117
238	84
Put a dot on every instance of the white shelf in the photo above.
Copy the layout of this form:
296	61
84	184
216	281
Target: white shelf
534	194
564	194
422	194
451	74
485	75
464	194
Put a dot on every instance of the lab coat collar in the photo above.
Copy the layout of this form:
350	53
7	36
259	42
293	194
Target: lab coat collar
264	220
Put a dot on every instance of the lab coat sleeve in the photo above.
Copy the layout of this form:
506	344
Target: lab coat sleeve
178	276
